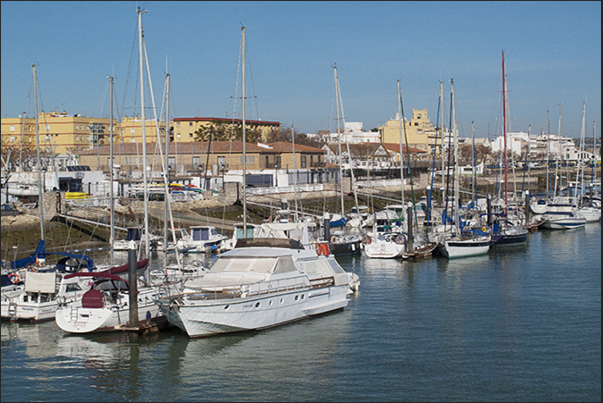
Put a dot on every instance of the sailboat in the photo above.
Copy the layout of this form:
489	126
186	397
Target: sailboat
347	240
507	232
114	302
260	283
460	244
390	243
37	288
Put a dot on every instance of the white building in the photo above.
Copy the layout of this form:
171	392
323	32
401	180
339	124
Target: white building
354	133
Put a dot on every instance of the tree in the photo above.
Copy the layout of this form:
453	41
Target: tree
222	132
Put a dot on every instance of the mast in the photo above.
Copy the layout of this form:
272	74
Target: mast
474	181
111	168
504	126
442	133
548	154
557	159
244	135
144	136
339	141
456	170
593	175
35	85
579	163
582	145
401	154
166	172
296	173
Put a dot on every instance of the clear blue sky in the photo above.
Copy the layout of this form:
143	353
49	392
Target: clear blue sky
552	53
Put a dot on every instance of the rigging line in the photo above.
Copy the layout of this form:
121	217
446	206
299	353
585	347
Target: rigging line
412	189
350	159
248	63
134	42
435	147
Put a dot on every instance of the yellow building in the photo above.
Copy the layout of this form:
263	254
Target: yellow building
184	128
131	130
59	132
420	133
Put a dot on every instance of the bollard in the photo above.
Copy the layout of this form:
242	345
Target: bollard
133	284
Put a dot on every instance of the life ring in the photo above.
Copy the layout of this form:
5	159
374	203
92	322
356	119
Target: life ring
484	229
400	239
367	240
318	250
334	239
14	278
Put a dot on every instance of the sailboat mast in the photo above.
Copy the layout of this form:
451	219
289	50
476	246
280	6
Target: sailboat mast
144	136
167	168
548	154
244	134
504	126
582	145
442	133
474	181
111	168
35	85
401	153
339	141
456	170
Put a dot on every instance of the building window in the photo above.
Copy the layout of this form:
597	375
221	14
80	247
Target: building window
132	131
267	162
47	127
196	162
12	139
303	161
190	123
278	161
12	128
190	135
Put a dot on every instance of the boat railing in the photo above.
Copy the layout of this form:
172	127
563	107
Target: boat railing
256	289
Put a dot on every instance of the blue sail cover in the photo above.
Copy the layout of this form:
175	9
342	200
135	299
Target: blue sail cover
41	253
338	223
31	259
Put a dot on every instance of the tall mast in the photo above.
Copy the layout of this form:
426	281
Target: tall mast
339	141
456	170
244	135
144	136
35	85
474	181
442	131
401	153
548	153
504	126
167	168
582	145
557	159
111	168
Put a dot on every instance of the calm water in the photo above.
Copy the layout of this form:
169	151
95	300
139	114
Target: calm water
519	324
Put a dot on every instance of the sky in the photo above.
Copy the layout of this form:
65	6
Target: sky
552	57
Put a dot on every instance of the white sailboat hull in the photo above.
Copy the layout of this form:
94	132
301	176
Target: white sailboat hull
564	223
384	250
73	318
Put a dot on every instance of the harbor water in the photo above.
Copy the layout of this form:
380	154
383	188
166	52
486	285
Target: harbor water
522	323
